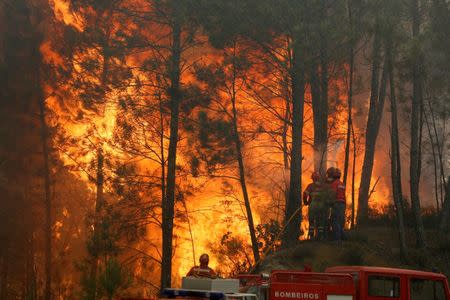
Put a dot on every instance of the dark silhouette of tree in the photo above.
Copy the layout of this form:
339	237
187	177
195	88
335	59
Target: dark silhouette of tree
167	46
417	105
376	107
25	170
396	173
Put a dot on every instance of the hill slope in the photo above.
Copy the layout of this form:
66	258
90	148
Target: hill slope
375	246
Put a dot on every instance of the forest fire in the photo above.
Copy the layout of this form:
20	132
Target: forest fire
162	130
205	208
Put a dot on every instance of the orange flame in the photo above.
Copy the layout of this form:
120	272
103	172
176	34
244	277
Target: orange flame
204	209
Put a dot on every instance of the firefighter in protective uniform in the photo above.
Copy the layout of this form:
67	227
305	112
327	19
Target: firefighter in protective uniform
313	197
203	270
338	203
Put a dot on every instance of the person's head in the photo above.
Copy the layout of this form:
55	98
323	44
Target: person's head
315	176
330	172
204	259
337	173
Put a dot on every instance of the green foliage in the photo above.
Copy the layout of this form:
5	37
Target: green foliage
268	235
216	144
103	241
87	282
193	97
100	51
113	278
214	135
224	20
233	253
104	253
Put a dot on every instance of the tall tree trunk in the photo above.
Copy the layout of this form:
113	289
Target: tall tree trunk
237	142
445	215
99	201
435	162
161	149
99	204
47	196
287	122
353	176
287	114
284	137
350	97
377	97
320	115
168	206
439	146
319	91
416	105
293	206
323	119
396	173
244	185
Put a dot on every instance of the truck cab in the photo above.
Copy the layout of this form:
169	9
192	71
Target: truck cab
377	283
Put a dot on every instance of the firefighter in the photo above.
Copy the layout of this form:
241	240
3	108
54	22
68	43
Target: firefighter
313	198
329	198
338	203
203	270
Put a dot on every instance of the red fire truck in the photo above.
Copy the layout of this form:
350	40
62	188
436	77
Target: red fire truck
350	283
336	283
